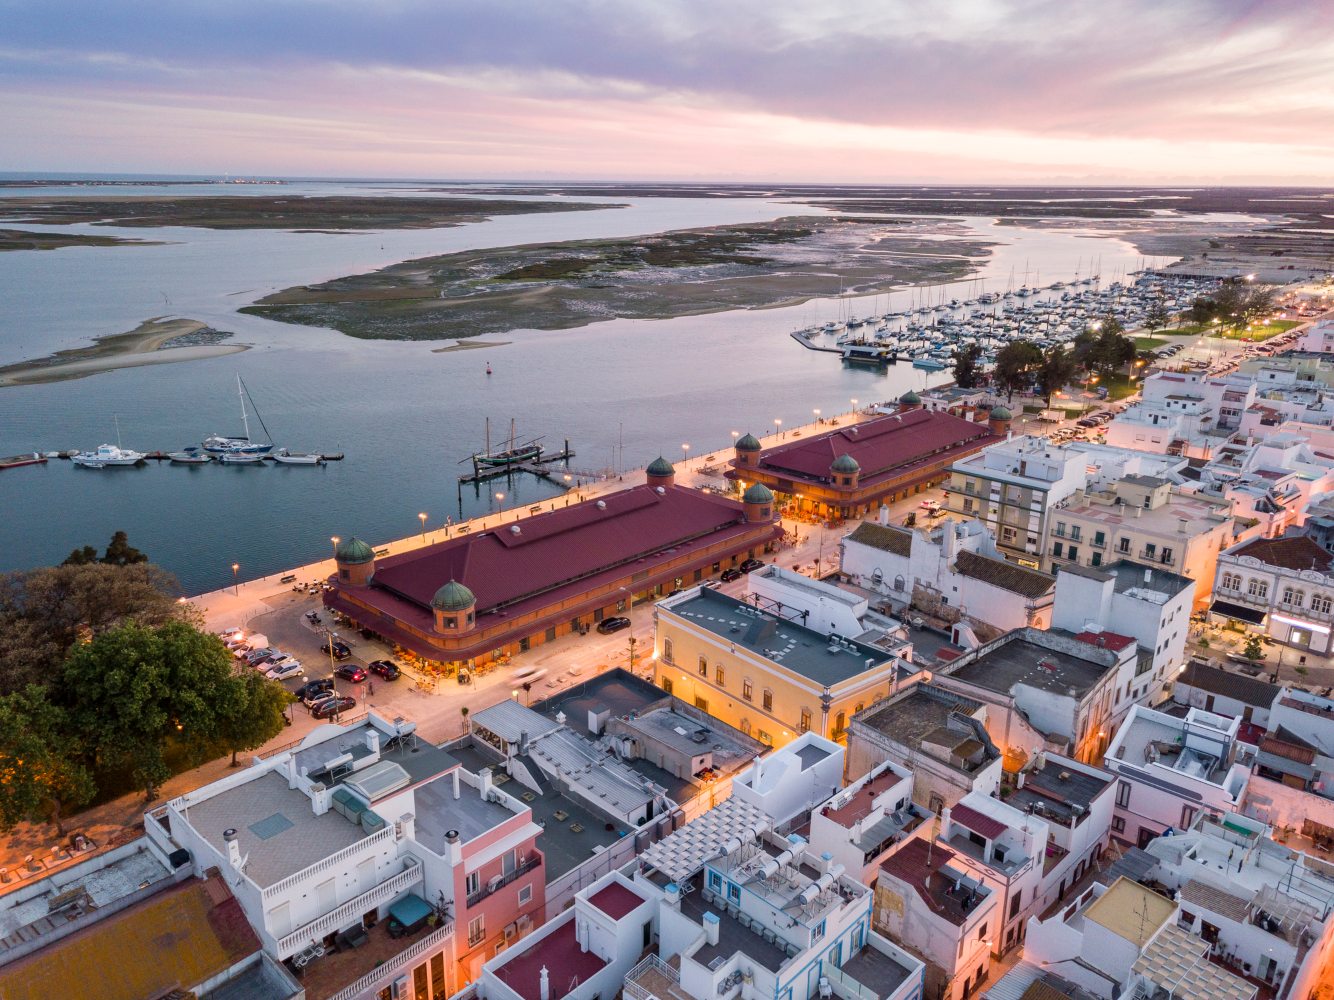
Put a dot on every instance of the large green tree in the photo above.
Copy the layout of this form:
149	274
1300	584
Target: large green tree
968	366
119	553
137	693
1056	371
41	769
44	612
1103	347
1157	315
1016	366
253	714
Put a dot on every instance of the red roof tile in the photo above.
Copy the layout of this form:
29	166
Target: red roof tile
977	822
860	805
616	901
1106	640
1298	552
884	447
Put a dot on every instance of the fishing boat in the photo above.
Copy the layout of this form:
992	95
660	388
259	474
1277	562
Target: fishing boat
223	444
284	457
189	456
16	460
108	455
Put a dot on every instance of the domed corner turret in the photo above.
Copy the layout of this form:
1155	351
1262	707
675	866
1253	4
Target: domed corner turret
748	442
455	608
747	452
660	472
844	471
355	562
758	493
759	503
999	420
910	400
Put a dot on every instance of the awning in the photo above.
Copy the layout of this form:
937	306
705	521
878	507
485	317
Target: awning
410	909
1237	611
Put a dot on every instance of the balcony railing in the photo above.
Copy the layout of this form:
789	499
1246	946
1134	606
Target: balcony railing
401	961
360	847
352	910
494	885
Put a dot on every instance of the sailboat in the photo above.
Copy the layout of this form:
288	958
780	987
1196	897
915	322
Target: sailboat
221	444
513	455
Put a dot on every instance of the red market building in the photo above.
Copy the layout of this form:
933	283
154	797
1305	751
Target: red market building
476	597
850	471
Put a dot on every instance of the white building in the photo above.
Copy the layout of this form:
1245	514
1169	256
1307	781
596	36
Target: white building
1225	692
1317	338
1179	424
954	565
1281	586
1264	910
1171	770
859	824
789	782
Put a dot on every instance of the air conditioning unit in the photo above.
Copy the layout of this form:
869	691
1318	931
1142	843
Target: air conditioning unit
524	924
494	883
510	932
401	988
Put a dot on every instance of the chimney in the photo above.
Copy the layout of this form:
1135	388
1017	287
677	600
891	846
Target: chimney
233	848
485	775
456	781
544	984
884	516
523	741
711	924
1148	575
453	849
373	740
407	826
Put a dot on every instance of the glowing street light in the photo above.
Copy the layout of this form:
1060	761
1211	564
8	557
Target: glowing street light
236	585
685	449
778	423
817	414
854	405
334	540
422	518
500	499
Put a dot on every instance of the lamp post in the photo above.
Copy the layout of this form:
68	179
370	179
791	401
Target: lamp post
334	540
630	613
817	414
236	585
422	518
685	449
500	498
854	405
778	424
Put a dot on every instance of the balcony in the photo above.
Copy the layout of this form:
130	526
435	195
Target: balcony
496	883
351	911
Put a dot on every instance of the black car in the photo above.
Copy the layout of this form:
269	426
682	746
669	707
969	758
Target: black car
610	625
731	574
308	690
333	706
751	564
340	650
351	672
383	668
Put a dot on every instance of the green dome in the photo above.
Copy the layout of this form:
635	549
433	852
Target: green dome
845	464
910	398
1000	413
660	467
759	493
354	550
748	443
453	596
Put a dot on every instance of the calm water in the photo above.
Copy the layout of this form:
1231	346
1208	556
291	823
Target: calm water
404	416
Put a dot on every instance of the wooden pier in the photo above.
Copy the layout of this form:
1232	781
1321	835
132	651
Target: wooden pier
803	337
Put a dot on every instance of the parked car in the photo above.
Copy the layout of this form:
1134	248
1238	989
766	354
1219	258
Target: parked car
282	659
384	668
288	668
333	706
351	672
320	686
929	504
610	625
751	564
311	700
729	575
256	655
340	650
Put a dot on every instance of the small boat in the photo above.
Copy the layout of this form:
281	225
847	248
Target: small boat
929	364
189	456
108	455
284	457
515	454
240	458
16	460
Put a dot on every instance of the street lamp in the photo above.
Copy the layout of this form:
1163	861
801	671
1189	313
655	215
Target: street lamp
500	498
854	405
817	415
778	423
422	518
685	448
335	540
236	586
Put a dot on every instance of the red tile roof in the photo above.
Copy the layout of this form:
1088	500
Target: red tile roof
559	954
859	807
884	447
616	901
559	556
1298	552
917	863
977	822
1106	640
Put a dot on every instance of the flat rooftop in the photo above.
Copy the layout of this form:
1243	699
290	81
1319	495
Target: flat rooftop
1130	911
733	937
1022	662
1059	789
559	953
438	812
618	691
802	650
1144	740
926	867
876	970
916	712
862	802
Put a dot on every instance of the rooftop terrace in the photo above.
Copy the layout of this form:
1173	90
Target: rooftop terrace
1064	794
1019	661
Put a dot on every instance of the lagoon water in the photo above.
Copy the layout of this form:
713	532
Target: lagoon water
404	416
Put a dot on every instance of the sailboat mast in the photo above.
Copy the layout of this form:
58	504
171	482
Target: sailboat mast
245	420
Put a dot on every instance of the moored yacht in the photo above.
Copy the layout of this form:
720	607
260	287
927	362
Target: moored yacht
108	455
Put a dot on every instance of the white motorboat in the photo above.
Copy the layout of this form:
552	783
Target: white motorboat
284	457
108	455
240	458
190	456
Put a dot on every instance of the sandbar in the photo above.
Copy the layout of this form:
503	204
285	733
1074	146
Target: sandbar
25	239
471	345
152	342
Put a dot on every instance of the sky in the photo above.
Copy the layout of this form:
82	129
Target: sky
874	91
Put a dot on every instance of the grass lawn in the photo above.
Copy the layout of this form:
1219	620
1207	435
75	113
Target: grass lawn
1148	343
1119	386
1263	332
1189	330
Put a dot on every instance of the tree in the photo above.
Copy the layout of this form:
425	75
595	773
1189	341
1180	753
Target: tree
968	367
1157	315
135	692
1253	650
1102	347
44	612
254	714
121	553
1058	368
41	773
1016	365
1258	304
85	556
1203	310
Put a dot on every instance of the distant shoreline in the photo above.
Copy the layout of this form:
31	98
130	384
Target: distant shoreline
146	344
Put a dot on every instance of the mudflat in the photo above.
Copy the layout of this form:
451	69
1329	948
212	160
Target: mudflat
23	239
569	284
275	211
153	342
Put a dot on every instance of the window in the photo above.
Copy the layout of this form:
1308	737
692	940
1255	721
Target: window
764	738
715	882
667	685
472	883
1057	549
818	932
747	690
1060	529
767	700
967	505
1150	549
667	651
1167	554
805	724
525	895
1123	794
1123	545
476	931
1320	603
1097	559
703	667
701	703
982	932
1007	534
734	892
898	583
1231	581
1118	825
1099	539
1014	904
1257	588
719	676
1292	597
1073	553
840	724
1075	532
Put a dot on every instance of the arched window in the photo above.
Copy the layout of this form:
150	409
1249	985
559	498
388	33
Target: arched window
1320	604
878	576
898	583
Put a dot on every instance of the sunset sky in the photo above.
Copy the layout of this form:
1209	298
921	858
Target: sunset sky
933	91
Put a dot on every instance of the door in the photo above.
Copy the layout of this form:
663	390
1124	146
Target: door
366	875
280	920
326	895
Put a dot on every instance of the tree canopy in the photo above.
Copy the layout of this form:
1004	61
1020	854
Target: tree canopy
119	553
968	367
1057	369
41	767
1103	347
1016	366
1233	303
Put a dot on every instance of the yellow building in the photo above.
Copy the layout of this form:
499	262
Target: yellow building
770	677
